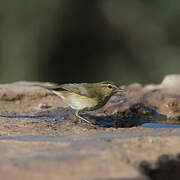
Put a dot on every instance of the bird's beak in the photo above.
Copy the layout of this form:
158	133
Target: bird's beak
121	90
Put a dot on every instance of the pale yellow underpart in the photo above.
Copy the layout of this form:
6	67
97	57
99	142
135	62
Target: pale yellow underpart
76	101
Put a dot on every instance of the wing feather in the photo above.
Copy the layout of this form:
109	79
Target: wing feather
76	88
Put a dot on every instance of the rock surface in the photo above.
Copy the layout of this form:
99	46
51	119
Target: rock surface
40	138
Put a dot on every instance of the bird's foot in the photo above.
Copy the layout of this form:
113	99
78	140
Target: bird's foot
81	119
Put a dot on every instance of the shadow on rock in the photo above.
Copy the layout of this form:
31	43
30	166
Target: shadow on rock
136	115
165	168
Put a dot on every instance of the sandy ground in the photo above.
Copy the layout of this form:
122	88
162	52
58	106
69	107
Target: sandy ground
40	138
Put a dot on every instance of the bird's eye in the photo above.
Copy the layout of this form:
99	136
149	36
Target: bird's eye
110	87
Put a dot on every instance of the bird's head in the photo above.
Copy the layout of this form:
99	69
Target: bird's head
109	88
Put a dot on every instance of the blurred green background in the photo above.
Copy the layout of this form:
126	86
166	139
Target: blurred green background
89	40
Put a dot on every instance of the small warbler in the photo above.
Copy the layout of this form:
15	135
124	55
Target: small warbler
85	96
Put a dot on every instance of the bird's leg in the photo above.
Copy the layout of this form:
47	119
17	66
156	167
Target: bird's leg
80	117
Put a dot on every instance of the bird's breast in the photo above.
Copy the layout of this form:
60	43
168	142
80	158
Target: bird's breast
76	101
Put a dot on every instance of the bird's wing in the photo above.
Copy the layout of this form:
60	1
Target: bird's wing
76	88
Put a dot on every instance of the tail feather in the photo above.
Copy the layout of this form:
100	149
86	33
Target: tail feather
53	87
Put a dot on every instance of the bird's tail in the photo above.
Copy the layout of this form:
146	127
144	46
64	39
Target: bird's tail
50	86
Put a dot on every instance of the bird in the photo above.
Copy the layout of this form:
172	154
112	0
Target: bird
83	97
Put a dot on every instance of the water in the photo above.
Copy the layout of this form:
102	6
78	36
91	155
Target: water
24	116
157	125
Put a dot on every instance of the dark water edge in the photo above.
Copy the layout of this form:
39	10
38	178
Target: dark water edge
100	121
